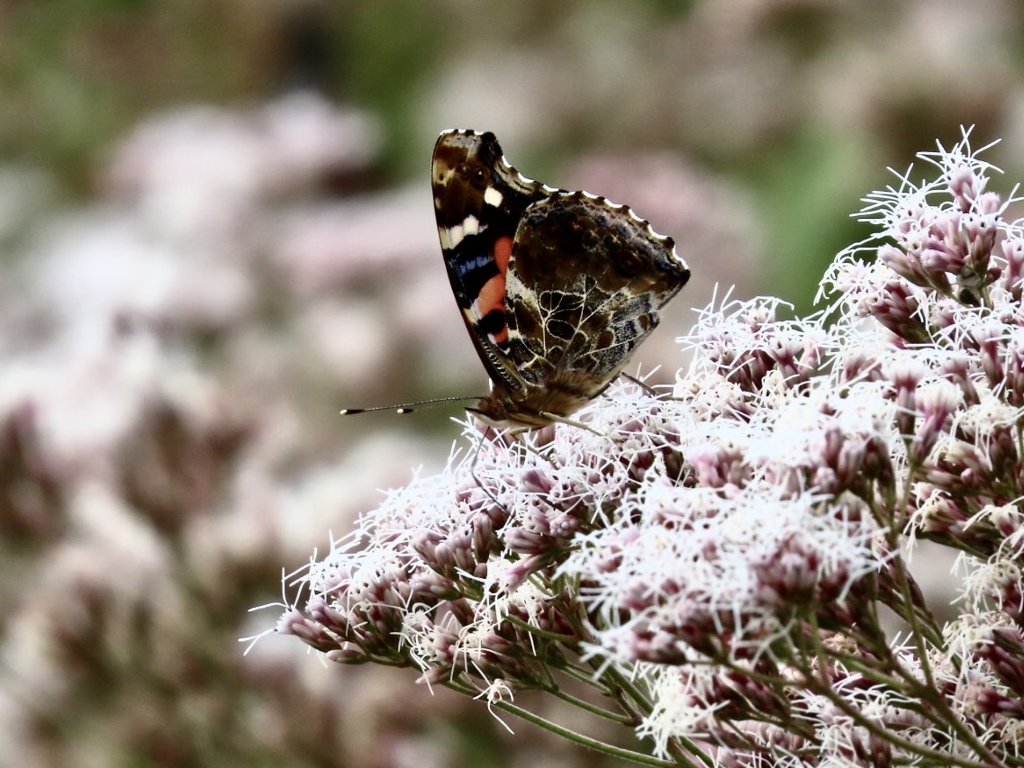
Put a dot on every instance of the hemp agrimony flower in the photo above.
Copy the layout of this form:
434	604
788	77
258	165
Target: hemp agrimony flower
709	569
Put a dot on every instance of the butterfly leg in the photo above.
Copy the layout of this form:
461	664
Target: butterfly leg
571	422
640	383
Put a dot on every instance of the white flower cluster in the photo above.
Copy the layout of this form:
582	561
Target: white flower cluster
714	562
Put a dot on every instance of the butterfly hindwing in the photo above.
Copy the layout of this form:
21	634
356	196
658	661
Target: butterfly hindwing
584	286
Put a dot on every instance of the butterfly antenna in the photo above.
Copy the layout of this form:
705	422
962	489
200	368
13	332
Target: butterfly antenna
410	407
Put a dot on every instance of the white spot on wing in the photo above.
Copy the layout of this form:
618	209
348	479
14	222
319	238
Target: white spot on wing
493	197
451	237
455	236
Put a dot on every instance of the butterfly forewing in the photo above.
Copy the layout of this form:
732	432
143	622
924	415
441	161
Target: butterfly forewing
478	201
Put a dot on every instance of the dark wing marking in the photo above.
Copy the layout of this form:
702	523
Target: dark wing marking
584	286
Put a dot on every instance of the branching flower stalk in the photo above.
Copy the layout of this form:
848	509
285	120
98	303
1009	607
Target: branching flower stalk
709	569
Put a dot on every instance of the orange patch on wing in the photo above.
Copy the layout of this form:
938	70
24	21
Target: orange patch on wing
492	296
502	254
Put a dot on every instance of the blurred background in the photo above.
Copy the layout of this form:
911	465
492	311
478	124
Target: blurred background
216	230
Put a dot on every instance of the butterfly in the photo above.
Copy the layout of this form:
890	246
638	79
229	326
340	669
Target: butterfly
556	288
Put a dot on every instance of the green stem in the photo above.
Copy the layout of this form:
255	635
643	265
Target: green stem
586	741
820	684
946	717
568	698
554	637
